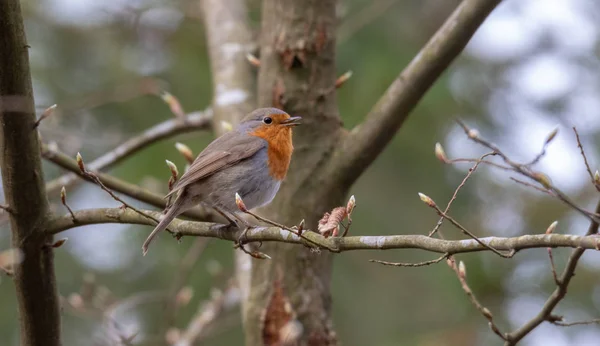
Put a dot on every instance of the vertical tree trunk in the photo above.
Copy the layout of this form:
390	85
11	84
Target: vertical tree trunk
290	295
23	186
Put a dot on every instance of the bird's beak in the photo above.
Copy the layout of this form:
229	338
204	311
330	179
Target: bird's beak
292	121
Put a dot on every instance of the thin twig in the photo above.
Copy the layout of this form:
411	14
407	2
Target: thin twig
63	199
553	267
559	292
98	182
487	162
193	122
441	213
518	181
578	323
120	186
461	275
462	184
585	160
419	264
540	178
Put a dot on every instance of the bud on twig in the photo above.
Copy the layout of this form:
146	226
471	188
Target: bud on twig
185	151
173	104
253	60
462	269
343	79
63	195
351	205
301	226
543	179
551	136
487	313
473	134
173	168
552	227
240	203
80	163
440	154
427	200
47	112
597	178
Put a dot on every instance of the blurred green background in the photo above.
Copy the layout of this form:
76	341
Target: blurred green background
532	66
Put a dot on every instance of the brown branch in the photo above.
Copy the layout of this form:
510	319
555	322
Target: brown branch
578	323
172	127
412	265
22	181
465	231
558	294
461	274
362	146
585	160
525	170
59	224
123	187
455	194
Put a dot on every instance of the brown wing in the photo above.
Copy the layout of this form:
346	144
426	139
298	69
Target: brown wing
213	159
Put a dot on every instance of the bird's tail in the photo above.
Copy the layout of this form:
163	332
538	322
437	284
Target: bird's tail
163	221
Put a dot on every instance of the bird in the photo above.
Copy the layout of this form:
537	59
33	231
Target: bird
251	160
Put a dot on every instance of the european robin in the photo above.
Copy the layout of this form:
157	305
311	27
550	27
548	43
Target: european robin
251	160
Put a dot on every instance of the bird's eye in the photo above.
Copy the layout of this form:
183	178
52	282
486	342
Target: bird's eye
267	120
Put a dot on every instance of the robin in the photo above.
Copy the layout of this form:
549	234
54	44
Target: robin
251	160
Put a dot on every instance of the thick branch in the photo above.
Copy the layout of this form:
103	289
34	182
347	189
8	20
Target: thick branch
362	146
24	193
275	234
172	127
124	187
560	291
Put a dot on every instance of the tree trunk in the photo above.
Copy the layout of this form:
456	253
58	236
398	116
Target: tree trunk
24	187
290	298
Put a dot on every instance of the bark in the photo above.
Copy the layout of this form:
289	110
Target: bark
24	188
290	295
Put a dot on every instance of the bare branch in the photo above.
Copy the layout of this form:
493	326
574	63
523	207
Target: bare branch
525	170
367	140
558	294
460	271
439	211
419	264
172	127
123	187
455	194
578	323
585	160
268	234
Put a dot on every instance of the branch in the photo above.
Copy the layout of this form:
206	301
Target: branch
269	234
34	278
123	187
558	294
362	146
172	127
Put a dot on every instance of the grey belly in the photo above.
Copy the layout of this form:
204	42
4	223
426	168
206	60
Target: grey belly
250	180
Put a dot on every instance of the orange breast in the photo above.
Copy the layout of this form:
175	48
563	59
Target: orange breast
280	148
